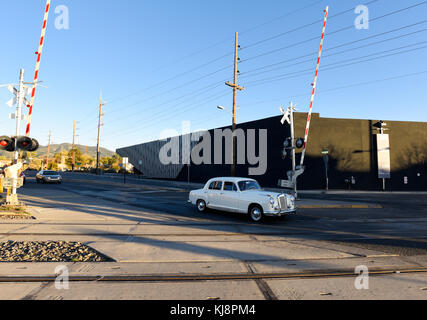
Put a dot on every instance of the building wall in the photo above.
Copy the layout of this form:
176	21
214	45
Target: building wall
352	153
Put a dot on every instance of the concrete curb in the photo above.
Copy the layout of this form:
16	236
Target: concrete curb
340	206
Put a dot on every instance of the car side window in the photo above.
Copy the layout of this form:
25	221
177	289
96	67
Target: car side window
212	185
218	185
230	186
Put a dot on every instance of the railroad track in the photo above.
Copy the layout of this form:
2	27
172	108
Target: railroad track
214	277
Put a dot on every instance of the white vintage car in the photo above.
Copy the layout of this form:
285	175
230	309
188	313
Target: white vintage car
244	196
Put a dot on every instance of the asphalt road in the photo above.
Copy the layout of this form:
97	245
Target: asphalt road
399	227
149	229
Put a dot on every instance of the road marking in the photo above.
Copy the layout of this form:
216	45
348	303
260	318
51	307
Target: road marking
383	256
339	206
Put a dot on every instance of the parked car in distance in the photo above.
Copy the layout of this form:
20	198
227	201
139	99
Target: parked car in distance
48	176
244	196
23	176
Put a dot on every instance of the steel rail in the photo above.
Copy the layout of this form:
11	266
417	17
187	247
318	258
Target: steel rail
215	277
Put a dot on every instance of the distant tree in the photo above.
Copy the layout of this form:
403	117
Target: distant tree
78	156
112	162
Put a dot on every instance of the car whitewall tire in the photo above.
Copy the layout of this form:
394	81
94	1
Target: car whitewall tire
201	206
256	213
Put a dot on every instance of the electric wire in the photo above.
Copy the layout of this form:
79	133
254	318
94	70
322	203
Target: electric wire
250	74
330	33
332	67
340	46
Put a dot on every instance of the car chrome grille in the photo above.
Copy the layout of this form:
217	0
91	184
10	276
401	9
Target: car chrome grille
282	202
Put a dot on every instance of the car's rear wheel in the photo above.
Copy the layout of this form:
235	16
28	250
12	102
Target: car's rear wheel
256	213
201	206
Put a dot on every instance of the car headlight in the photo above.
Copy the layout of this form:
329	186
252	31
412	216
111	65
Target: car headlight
274	202
291	202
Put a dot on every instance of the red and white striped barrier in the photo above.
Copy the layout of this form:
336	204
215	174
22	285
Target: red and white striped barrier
307	131
36	75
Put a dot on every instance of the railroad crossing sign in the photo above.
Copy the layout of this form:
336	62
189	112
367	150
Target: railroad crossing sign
299	171
291	182
11	182
286	184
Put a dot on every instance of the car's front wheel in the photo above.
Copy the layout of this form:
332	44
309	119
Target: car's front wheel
256	213
201	206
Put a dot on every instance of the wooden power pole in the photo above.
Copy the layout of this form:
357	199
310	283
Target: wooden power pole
48	151
100	124
235	88
73	163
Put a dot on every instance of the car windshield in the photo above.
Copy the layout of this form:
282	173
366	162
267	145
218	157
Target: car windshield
249	185
50	173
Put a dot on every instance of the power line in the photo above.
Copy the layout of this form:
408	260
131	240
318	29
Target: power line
306	71
302	27
175	77
165	103
171	90
192	94
388	14
251	74
244	32
345	87
326	90
335	65
338	46
216	59
331	33
281	17
190	82
183	110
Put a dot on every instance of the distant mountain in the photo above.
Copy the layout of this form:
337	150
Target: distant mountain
57	148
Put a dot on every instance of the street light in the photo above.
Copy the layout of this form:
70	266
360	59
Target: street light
234	146
226	110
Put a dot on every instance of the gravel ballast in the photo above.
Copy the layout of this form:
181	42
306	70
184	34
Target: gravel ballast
49	251
14	213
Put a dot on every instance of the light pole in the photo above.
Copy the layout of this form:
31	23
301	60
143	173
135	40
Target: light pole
288	116
325	154
234	143
18	115
384	171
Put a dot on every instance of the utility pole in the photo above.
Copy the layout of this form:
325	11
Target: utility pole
100	124
73	151
235	88
291	144
48	151
292	110
18	115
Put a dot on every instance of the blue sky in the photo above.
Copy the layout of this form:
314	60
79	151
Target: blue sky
159	63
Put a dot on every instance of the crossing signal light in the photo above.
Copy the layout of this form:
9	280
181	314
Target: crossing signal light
24	143
288	143
21	143
300	143
7	143
380	124
34	145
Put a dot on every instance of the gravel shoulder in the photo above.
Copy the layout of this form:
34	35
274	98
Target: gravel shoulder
49	251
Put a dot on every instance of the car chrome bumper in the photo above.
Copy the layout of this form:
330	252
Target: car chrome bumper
280	213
